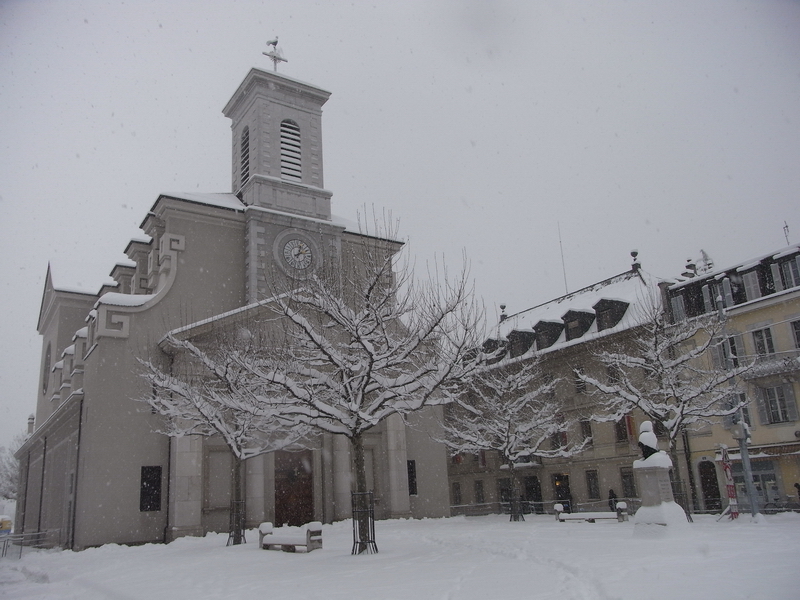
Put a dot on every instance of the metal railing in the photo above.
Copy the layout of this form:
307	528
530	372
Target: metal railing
15	544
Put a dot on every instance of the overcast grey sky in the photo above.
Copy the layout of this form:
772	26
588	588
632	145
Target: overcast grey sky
662	126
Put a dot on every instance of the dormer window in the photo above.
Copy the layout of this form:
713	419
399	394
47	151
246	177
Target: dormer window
609	313
244	153
786	273
290	151
547	333
520	342
577	323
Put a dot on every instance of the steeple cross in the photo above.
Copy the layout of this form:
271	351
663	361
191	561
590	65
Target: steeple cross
275	55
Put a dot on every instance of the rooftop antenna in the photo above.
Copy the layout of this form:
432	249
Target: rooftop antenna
275	55
563	265
786	232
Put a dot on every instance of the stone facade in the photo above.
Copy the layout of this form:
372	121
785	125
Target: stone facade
96	470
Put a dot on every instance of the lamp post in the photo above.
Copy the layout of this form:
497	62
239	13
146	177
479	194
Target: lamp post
740	429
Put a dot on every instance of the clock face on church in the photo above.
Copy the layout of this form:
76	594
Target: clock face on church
298	254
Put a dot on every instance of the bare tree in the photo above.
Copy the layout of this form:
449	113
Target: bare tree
361	342
665	370
208	393
510	407
9	467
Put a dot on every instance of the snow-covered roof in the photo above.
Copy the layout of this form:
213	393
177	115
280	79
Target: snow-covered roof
740	267
633	288
232	202
221	200
117	299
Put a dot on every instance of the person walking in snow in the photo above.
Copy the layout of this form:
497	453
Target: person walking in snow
612	500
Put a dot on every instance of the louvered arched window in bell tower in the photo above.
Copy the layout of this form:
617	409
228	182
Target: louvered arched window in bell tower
290	151
244	153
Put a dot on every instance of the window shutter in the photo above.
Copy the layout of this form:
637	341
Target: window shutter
751	285
791	403
762	407
707	300
727	420
717	354
678	310
797	263
776	276
739	341
727	291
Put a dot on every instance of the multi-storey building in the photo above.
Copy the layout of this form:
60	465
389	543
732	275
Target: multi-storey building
96	470
565	334
760	300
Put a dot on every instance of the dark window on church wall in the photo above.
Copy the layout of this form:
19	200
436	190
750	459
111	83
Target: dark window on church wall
244	151
290	151
150	489
48	357
412	477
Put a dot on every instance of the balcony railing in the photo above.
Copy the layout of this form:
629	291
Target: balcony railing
774	364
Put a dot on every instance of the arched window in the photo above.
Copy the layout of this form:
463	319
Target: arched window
244	151
290	151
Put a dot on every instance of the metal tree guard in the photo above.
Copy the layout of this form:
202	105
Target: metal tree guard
364	523
236	524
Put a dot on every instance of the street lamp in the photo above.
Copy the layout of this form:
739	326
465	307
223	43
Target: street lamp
740	431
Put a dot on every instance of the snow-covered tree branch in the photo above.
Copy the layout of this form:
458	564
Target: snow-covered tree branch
362	341
206	392
9	468
666	371
510	407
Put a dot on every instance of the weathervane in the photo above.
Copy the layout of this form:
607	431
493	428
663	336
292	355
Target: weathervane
275	55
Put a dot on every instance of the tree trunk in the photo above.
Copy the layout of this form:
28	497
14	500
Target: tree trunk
237	520
361	504
516	496
677	485
360	463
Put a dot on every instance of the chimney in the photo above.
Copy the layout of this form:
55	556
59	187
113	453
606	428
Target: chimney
31	421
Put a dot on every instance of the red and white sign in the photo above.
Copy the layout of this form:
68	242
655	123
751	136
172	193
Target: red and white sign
733	503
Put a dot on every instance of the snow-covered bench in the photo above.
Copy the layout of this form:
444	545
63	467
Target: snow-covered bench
620	515
288	538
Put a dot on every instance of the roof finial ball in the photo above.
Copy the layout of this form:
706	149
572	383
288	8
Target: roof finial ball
503	315
634	254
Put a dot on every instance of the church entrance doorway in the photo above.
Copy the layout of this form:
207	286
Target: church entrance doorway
294	488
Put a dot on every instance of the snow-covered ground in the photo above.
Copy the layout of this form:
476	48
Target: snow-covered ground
454	559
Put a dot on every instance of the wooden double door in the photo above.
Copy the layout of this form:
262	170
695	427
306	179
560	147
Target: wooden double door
294	487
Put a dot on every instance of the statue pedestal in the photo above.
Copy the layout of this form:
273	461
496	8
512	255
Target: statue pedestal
658	510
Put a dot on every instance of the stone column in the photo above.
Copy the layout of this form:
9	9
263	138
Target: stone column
399	503
186	487
342	477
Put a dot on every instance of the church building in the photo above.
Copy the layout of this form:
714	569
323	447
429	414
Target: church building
95	469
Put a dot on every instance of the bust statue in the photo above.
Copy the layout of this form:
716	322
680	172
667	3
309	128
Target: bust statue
648	442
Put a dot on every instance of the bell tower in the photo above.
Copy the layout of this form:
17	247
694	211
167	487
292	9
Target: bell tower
276	124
